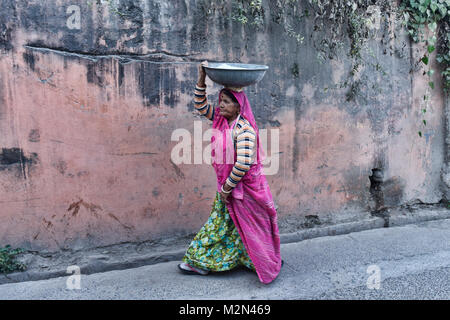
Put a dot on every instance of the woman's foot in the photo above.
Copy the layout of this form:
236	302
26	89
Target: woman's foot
188	269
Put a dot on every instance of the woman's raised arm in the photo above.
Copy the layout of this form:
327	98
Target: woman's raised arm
200	100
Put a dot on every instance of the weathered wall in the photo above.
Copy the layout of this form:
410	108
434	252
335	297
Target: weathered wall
86	118
446	167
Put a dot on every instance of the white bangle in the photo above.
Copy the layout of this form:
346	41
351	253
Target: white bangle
225	191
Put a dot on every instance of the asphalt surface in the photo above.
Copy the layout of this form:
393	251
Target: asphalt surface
407	262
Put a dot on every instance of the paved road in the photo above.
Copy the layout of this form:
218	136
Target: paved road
410	262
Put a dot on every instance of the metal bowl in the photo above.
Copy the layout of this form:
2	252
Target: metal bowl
235	74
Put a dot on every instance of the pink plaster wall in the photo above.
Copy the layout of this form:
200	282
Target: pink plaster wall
103	173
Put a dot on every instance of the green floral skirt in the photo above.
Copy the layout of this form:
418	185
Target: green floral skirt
218	246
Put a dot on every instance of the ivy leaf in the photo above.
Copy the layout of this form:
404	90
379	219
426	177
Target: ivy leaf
425	59
424	122
432	40
433	26
431	84
406	16
430	49
424	110
430	72
420	134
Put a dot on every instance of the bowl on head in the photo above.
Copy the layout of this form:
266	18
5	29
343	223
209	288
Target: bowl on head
235	75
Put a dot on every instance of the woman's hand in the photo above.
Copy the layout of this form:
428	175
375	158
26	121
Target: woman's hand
202	73
224	196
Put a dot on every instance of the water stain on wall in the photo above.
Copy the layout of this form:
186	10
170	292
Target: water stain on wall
2	103
30	59
34	135
75	207
94	72
8	20
14	158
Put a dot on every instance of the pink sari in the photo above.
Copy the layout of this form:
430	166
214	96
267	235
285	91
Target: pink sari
250	204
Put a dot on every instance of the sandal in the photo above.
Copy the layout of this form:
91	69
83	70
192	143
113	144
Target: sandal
192	270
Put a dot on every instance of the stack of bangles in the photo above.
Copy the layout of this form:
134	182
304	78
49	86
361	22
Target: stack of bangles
226	191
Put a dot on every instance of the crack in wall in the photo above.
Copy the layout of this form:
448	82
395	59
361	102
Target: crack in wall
160	56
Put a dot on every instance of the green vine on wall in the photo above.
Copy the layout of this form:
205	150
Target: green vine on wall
434	15
358	21
355	19
248	12
421	16
336	20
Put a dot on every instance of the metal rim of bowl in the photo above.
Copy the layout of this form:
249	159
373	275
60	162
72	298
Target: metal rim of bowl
253	67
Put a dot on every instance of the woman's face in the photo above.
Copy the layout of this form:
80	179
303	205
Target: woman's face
228	108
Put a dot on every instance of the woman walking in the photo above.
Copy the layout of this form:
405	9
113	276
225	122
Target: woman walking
242	228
